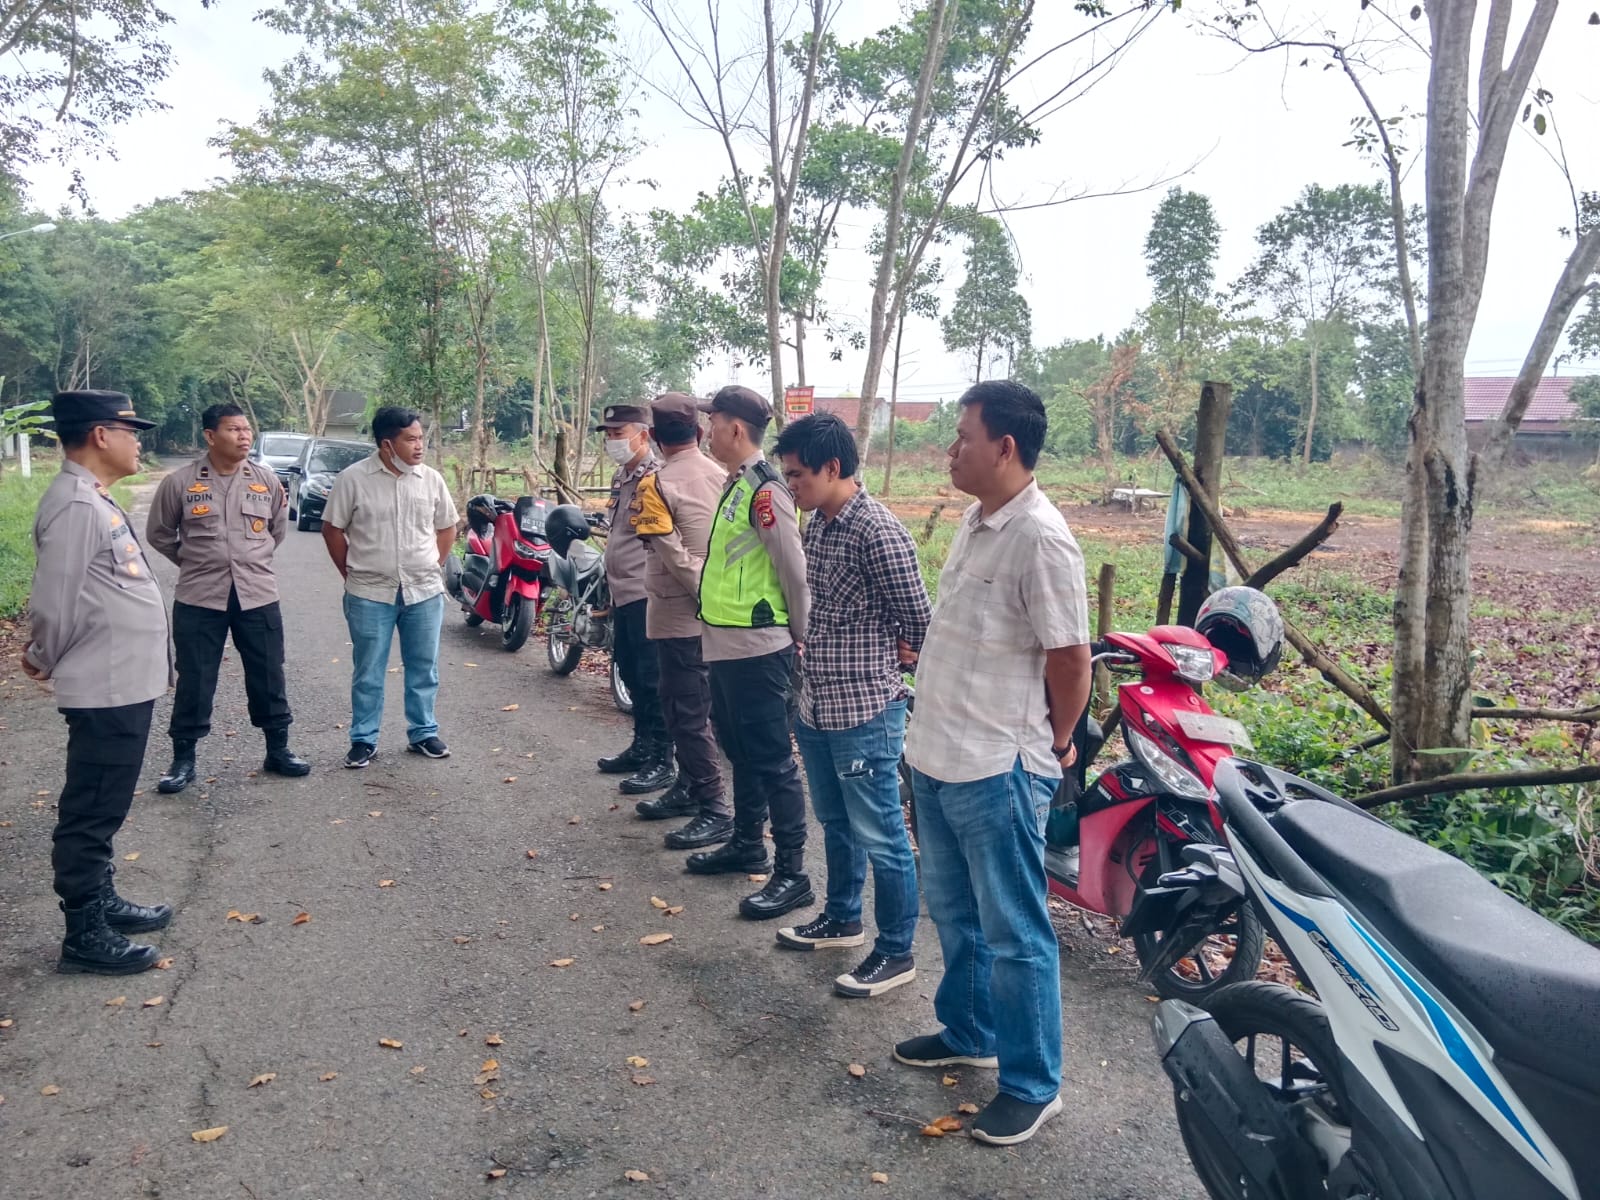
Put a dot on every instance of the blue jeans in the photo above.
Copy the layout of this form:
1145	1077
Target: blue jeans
854	780
983	874
372	628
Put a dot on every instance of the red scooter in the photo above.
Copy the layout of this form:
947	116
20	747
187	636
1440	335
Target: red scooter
1107	844
506	566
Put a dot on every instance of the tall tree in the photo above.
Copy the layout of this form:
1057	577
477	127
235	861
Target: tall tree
989	316
1180	255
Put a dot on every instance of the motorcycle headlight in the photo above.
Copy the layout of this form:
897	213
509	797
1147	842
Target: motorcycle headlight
1194	664
1174	776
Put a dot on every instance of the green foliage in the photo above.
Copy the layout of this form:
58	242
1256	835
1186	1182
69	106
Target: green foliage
989	317
19	498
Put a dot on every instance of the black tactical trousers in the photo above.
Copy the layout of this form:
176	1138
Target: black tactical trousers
686	711
198	638
636	661
105	753
752	707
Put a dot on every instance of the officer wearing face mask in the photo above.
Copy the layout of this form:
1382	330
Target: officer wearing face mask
648	761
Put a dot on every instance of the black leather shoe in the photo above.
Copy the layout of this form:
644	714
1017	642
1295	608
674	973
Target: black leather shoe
658	773
182	771
702	831
127	917
92	947
626	763
783	893
280	759
676	803
736	856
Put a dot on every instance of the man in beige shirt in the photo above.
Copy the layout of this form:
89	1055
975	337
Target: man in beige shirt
671	514
100	637
389	524
221	519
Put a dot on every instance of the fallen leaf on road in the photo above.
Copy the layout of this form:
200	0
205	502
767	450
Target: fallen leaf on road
155	1002
968	1107
377	812
49	1089
485	1077
329	1077
949	1081
488	1094
635	1061
134	857
152	1045
385	883
262	1080
461	941
573	916
562	962
533	854
469	664
613	808
510	708
641	1080
509	779
494	1039
756	878
657	902
596	928
418	1069
498	1172
603	887
878	1177
636	1006
948	1124
337	821
209	1135
303	918
636	1176
932	1131
490	1064
573	821
164	964
654	939
674	910
857	1070
390	1043
243	918
114	1002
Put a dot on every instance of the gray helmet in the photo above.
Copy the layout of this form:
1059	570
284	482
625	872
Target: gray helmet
1245	625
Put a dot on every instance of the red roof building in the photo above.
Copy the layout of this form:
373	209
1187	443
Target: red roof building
848	410
1550	411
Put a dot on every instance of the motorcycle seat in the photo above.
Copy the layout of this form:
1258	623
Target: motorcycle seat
1528	986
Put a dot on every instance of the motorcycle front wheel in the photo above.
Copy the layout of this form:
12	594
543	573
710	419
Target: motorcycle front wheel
563	649
1229	954
1285	1039
517	625
619	689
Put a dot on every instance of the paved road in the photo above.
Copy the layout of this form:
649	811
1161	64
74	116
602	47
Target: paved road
747	1048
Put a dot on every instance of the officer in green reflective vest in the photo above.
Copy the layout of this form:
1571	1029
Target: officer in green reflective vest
754	604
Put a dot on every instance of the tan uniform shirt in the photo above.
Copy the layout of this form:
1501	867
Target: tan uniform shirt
391	522
99	619
221	531
690	483
782	543
626	556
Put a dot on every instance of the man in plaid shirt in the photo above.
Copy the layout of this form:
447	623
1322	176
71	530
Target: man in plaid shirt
869	612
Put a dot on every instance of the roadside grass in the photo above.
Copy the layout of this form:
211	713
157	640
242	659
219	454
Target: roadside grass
19	500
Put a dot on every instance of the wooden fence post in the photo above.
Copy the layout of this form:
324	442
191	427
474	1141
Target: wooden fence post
1102	673
1211	428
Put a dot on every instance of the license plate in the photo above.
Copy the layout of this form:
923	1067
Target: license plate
1208	727
530	523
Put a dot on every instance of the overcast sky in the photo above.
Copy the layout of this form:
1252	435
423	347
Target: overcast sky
1254	130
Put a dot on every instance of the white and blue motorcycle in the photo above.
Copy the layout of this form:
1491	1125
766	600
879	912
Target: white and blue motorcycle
1451	1049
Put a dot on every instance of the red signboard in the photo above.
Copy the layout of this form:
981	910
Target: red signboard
797	401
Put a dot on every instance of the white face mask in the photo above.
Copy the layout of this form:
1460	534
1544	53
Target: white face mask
620	450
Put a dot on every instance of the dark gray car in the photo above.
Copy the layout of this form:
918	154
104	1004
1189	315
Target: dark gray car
312	475
278	451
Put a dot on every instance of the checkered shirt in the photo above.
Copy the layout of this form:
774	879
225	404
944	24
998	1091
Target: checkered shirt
866	594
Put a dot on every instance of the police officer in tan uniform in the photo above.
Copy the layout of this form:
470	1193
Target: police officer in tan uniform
100	637
671	513
221	518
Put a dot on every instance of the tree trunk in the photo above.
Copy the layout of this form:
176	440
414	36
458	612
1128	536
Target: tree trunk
894	216
800	349
1311	417
894	401
1211	428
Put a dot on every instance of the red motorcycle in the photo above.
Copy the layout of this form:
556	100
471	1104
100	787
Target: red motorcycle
502	577
1108	844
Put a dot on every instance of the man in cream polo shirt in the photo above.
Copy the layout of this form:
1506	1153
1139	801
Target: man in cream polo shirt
389	524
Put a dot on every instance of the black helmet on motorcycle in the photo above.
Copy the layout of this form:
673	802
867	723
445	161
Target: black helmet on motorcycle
563	525
1244	624
481	514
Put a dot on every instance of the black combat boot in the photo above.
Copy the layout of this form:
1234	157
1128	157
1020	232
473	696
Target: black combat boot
92	947
280	759
626	763
788	889
659	771
704	830
127	917
675	803
181	773
746	853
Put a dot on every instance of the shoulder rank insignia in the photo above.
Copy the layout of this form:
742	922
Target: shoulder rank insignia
648	513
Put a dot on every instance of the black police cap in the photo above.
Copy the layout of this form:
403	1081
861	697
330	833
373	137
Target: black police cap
74	410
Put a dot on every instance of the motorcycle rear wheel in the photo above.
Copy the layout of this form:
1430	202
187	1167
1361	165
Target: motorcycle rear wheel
564	652
620	695
1286	1040
518	624
1195	977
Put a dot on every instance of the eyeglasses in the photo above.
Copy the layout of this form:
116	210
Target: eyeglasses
123	429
